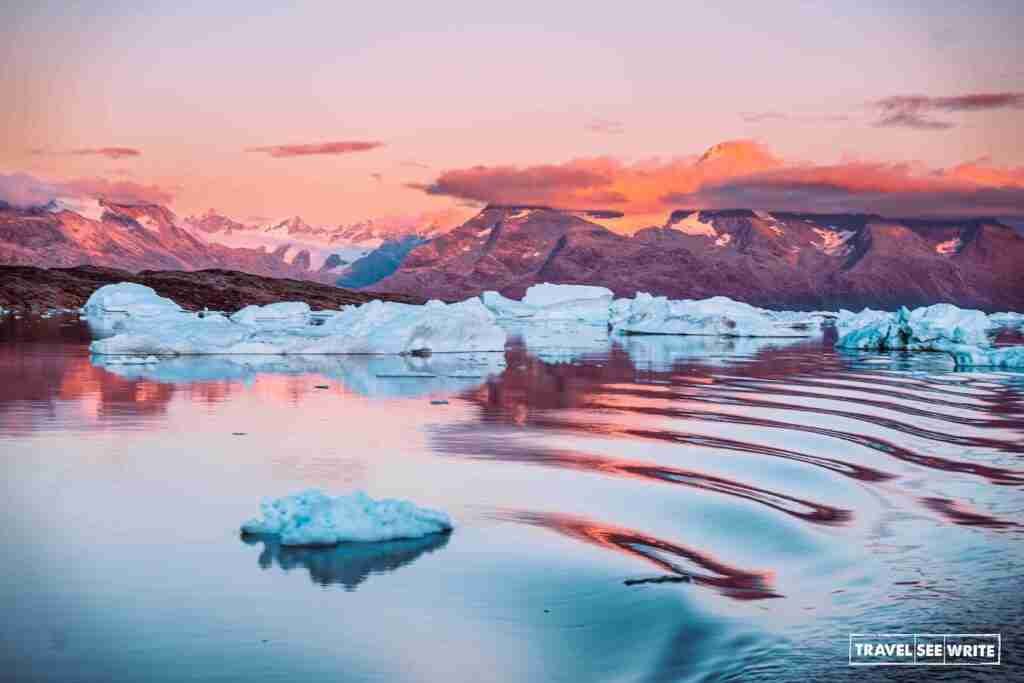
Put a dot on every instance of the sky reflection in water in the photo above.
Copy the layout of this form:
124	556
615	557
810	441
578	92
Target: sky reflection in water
793	491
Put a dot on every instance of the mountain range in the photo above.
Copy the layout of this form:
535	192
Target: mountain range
796	260
781	259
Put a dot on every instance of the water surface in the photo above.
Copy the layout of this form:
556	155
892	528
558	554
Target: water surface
648	509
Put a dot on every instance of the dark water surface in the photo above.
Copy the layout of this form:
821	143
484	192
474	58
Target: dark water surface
656	509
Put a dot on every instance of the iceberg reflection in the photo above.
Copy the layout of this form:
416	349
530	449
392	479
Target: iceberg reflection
346	564
377	376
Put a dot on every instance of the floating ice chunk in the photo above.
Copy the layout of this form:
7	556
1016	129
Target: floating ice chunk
506	309
283	313
968	356
376	327
1007	320
717	316
112	308
312	518
546	294
580	303
923	329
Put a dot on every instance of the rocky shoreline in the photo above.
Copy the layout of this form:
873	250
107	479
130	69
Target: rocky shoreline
32	289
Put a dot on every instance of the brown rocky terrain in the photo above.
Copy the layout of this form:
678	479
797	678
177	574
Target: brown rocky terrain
38	289
790	260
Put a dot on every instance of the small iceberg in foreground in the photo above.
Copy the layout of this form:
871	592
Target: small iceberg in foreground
313	518
143	323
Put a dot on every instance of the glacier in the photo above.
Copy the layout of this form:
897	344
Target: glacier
313	518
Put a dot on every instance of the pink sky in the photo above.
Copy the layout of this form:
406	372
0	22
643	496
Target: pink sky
340	116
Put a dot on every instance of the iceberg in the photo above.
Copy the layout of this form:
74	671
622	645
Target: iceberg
312	518
151	325
1007	320
113	308
717	316
924	329
546	301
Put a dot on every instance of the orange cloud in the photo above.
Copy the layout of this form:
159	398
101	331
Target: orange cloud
340	147
743	173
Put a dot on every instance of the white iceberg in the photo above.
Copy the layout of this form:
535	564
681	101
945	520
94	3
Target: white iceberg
159	327
312	518
286	313
717	316
923	329
113	308
1007	319
547	302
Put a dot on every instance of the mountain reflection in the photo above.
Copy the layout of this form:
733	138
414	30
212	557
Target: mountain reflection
346	564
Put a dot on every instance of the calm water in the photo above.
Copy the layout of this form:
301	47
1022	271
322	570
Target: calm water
793	494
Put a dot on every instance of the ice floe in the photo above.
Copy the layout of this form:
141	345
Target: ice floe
717	316
313	518
965	334
546	302
113	308
142	323
923	329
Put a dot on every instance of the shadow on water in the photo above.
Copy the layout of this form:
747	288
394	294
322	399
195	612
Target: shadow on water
346	564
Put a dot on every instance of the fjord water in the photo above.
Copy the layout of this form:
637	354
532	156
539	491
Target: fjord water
655	509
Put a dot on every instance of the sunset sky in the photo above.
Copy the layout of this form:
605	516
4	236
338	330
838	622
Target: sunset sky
341	112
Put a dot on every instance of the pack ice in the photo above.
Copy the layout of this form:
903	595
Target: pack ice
313	518
142	322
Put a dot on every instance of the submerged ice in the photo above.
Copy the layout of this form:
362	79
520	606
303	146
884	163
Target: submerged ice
313	518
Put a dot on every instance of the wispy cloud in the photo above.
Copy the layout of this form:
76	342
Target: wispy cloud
763	116
917	111
24	190
108	152
338	147
606	127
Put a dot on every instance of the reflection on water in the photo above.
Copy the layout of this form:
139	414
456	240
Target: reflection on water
380	376
347	564
638	508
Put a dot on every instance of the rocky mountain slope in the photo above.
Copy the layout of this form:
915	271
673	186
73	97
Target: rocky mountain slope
39	289
130	237
767	259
